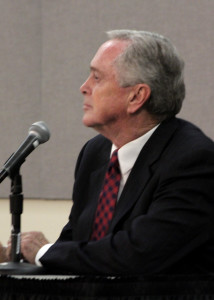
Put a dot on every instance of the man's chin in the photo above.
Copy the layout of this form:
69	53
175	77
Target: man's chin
88	122
92	125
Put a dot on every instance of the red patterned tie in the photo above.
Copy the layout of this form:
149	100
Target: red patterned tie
107	199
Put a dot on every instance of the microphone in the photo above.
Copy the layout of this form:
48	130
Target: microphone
38	134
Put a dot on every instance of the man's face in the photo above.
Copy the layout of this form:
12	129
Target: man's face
105	102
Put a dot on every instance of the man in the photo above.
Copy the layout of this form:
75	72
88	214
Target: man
163	221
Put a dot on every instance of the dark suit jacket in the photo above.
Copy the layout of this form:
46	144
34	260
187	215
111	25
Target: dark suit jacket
164	220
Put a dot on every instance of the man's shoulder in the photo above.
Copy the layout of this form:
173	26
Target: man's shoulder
190	132
185	130
186	140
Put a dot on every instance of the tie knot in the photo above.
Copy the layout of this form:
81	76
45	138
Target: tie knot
114	163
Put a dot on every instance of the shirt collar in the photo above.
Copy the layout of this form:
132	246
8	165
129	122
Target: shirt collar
128	153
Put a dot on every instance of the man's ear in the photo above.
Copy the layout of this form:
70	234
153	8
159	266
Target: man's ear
140	94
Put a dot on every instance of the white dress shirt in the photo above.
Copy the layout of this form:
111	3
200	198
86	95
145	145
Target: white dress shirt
127	155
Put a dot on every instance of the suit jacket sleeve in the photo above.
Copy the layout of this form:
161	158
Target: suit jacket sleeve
165	216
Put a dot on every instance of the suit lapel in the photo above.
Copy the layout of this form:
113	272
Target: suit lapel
142	169
97	177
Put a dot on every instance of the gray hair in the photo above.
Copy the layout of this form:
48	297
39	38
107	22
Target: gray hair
152	59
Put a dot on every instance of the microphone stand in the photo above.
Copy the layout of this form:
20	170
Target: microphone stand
16	209
16	266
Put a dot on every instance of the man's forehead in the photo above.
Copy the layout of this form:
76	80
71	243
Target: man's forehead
113	47
109	51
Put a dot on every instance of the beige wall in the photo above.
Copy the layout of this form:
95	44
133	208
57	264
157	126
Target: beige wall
48	216
45	49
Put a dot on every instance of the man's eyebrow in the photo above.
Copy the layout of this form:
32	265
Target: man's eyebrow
94	69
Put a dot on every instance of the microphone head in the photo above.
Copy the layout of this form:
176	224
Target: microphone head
41	131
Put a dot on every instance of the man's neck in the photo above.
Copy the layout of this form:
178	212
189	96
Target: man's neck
129	131
126	137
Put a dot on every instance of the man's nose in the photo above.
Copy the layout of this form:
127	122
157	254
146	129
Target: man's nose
84	89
